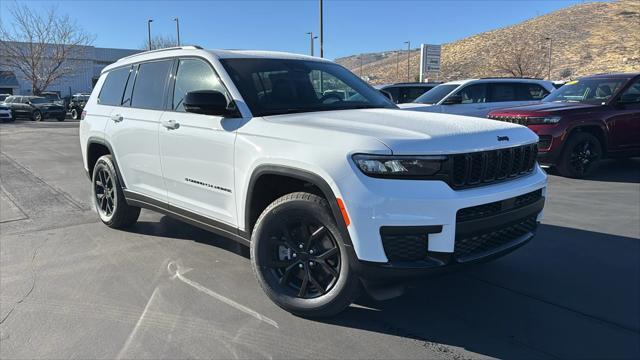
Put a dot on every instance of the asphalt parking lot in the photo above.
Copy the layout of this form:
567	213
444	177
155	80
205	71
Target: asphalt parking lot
72	288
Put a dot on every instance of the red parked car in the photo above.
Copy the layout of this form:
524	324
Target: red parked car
583	121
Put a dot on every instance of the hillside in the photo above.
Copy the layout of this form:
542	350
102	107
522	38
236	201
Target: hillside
587	38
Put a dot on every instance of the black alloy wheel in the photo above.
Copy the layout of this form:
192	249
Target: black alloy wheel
105	193
305	258
580	155
37	115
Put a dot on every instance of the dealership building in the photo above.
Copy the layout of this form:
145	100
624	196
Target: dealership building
84	72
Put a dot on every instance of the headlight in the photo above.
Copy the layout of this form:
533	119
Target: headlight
541	120
398	166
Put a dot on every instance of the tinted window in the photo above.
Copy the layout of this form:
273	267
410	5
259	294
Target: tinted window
395	93
194	75
9	99
410	93
502	92
149	88
476	93
530	92
40	100
632	94
281	86
111	92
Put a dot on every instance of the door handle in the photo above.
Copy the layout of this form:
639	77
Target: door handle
170	124
117	118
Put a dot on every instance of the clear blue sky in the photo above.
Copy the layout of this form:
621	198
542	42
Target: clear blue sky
351	27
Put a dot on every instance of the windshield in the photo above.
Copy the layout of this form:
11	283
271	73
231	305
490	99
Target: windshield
586	91
436	94
280	86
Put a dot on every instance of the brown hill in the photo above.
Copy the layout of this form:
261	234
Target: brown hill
587	38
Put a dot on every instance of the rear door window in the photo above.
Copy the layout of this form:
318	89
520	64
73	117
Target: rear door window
502	92
113	87
150	85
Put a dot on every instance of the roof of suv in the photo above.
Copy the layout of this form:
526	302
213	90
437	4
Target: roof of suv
611	76
220	54
466	81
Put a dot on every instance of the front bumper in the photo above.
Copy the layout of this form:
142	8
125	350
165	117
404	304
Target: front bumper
374	204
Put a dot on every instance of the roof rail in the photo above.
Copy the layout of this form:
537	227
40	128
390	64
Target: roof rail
186	47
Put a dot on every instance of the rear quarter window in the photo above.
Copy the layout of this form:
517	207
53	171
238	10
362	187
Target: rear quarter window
113	87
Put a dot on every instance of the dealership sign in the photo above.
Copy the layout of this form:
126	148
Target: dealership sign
429	60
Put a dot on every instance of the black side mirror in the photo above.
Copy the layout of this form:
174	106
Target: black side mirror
208	102
453	99
387	95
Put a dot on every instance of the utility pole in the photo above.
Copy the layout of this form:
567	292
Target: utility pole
360	65
311	38
398	65
408	57
177	29
321	32
550	43
149	31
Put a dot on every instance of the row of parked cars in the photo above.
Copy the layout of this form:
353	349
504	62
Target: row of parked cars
38	108
578	124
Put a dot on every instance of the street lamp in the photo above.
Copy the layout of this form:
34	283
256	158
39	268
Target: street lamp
177	28
408	56
550	43
321	32
149	31
398	65
360	65
311	38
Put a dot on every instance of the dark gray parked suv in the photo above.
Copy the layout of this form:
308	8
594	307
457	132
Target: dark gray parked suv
35	108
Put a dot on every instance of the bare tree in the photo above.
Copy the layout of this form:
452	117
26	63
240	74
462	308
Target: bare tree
159	42
520	59
43	47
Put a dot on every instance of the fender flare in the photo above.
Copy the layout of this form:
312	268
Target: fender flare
303	175
100	141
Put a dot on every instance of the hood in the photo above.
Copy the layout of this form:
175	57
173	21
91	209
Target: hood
408	132
544	108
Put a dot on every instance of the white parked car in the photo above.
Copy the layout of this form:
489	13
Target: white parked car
478	97
330	194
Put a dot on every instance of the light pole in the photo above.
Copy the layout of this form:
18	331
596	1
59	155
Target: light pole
360	65
398	65
550	43
177	29
408	57
149	31
311	38
321	32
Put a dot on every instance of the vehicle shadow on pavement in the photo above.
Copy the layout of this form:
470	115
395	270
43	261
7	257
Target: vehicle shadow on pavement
618	170
176	229
566	294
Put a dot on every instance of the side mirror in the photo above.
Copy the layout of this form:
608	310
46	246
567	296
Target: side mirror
387	95
208	102
453	99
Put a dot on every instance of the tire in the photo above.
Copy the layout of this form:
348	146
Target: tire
274	257
74	114
579	156
36	115
112	209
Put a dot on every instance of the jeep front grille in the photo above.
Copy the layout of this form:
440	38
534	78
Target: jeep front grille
485	167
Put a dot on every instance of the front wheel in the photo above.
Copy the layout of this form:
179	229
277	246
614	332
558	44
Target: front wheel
300	259
108	196
74	114
580	155
36	115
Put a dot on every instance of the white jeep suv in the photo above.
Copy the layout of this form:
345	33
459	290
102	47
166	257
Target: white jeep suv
329	193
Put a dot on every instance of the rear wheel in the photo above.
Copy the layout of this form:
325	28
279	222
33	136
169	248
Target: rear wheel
300	259
108	196
580	155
